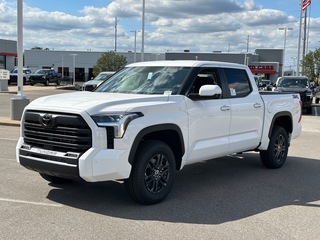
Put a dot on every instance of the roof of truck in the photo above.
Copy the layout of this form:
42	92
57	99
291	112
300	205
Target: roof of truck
184	63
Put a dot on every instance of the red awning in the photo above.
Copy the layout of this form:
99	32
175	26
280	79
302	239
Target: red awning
8	54
263	71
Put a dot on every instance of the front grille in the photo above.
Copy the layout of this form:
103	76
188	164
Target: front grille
57	131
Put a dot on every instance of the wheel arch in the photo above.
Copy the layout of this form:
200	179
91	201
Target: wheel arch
170	134
283	119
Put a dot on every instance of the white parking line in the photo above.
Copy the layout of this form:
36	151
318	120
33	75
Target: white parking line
31	203
9	139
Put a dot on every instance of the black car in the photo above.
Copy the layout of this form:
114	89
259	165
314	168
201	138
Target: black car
45	76
297	84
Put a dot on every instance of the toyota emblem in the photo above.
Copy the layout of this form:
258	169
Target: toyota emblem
46	120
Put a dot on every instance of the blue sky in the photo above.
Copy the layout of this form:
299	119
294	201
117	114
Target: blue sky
69	6
75	6
171	25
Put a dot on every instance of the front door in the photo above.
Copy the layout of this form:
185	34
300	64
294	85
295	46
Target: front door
209	121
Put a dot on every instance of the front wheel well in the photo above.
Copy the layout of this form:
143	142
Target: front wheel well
171	135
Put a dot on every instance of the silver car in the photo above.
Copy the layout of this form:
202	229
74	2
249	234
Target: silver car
100	78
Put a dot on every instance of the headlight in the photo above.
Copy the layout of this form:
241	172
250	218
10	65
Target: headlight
119	121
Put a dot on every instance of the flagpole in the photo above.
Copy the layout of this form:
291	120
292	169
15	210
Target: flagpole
304	34
308	28
299	40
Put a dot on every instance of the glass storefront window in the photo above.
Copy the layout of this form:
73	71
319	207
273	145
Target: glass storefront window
2	61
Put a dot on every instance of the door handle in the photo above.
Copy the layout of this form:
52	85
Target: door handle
257	105
225	108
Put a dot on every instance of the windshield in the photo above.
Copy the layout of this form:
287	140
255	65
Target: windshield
146	80
41	71
103	76
267	82
294	82
27	71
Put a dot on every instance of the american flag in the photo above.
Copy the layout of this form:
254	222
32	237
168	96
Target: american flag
305	4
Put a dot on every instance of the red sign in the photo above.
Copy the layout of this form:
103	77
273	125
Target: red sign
259	69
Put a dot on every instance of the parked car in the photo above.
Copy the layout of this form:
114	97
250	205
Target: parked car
265	85
316	93
14	76
95	82
297	84
45	76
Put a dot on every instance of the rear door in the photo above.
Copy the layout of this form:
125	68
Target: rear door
247	110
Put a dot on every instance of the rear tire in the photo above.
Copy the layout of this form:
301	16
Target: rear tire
152	174
276	154
317	100
54	179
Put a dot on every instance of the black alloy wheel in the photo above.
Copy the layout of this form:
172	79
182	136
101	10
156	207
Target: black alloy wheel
276	154
152	173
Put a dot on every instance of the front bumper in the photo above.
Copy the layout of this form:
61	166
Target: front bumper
306	101
93	166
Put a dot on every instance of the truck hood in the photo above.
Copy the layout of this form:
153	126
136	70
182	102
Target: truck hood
291	89
96	102
93	82
37	75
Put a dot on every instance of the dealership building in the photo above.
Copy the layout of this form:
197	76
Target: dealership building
267	63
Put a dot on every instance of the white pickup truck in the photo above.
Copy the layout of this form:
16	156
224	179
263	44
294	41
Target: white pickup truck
151	119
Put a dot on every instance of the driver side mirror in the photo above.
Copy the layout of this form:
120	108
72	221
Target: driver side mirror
210	90
207	92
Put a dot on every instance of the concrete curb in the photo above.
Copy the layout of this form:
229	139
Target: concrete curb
8	122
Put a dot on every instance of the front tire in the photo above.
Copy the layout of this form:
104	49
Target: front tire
153	172
276	154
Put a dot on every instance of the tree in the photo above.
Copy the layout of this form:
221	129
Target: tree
39	48
109	61
311	64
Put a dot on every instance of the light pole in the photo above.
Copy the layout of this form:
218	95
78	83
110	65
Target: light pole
62	72
294	65
19	101
142	29
20	48
74	68
135	45
115	34
284	46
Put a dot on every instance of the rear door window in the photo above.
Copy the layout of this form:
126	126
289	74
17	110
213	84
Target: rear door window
238	82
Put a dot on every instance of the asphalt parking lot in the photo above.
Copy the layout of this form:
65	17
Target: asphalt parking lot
233	197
